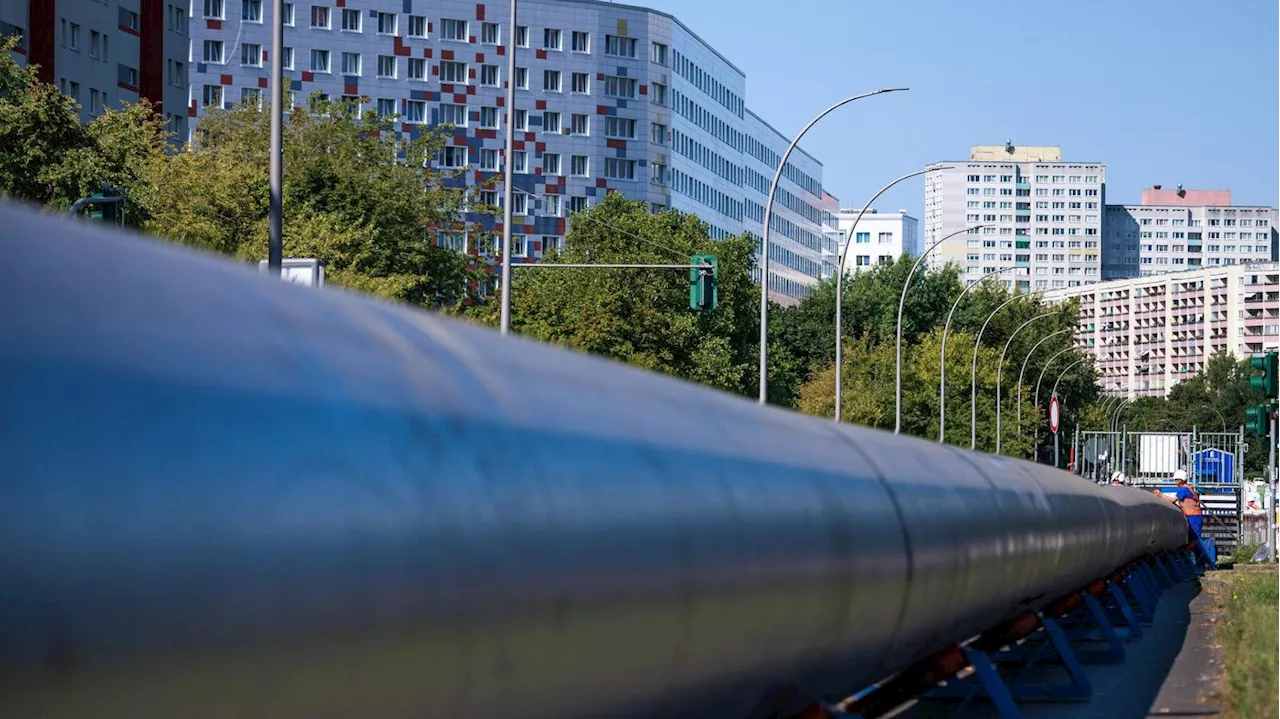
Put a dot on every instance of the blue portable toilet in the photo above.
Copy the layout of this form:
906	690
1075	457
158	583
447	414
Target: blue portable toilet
1214	465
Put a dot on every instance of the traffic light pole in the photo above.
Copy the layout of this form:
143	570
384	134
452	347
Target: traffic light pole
1271	492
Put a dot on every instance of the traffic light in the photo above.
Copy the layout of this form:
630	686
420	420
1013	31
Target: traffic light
1258	419
1267	363
704	289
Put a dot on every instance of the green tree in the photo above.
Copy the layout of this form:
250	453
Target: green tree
642	316
356	195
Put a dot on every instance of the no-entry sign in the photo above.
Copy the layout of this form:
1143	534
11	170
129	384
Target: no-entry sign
1053	414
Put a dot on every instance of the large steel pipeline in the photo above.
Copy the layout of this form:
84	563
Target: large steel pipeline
226	496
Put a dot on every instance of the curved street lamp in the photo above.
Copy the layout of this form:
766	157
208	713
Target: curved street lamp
1036	398
1054	393
764	244
844	255
1206	405
973	390
1023	371
942	354
902	301
1000	370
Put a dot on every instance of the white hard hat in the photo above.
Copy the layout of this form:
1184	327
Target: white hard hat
1180	475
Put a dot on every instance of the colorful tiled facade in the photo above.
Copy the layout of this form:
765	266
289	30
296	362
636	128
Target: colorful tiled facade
608	98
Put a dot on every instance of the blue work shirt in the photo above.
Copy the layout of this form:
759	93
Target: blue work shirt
1182	493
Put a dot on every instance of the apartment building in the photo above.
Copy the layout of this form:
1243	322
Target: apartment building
1011	206
106	54
1176	230
879	239
1149	333
609	97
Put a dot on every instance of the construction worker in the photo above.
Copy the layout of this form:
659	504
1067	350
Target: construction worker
1188	500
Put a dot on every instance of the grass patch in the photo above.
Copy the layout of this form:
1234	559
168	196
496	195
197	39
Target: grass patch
1248	634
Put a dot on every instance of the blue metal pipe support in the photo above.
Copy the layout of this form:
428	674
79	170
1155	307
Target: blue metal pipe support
227	494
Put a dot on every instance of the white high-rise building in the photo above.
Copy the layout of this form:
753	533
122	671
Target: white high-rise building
880	238
1178	230
1025	208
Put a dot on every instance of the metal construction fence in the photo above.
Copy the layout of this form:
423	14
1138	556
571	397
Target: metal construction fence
1213	462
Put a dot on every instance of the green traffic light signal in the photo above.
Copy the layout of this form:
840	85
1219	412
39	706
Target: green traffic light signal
1258	419
704	288
1268	381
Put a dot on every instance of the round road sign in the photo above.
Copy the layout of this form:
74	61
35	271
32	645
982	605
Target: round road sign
1053	414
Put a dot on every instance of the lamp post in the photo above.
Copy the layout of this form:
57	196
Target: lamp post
507	178
1000	372
1210	407
902	301
1023	371
942	354
275	222
844	253
764	244
973	391
1036	398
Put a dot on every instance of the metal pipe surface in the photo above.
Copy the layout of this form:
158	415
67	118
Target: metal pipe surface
227	496
942	353
840	259
768	219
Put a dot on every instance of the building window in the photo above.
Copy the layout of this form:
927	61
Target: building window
177	20
455	72
489	34
489	118
619	86
73	38
519	243
417	26
286	58
212	96
619	169
287	14
520	161
657	173
489	161
580	42
386	66
416	69
522	35
659	93
577	203
386	23
580	83
550	163
350	63
251	96
551	39
251	10
319	61
659	134
579	124
580	166
351	20
620	127
415	111
251	55
455	115
453	157
551	122
213	51
521	120
522	78
551	80
553	205
619	46
95	102
451	29
386	107
659	53
320	17
214	9
456	241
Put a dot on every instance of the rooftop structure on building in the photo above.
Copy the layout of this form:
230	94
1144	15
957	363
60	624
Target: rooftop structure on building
609	97
104	55
1173	230
1149	333
1017	207
880	238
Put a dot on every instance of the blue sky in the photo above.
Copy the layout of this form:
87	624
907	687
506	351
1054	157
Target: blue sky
1179	91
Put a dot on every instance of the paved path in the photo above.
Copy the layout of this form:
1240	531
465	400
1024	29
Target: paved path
1171	671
